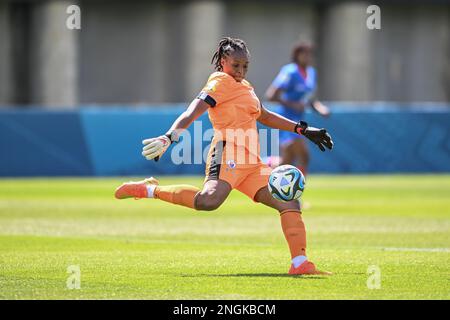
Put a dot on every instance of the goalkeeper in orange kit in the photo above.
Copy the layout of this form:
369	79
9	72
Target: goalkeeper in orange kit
233	162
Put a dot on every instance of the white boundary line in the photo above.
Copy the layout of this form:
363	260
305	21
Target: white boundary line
418	249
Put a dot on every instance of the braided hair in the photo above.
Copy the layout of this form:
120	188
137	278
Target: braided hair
226	46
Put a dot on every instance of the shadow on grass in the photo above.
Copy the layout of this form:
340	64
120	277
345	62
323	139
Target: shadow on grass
259	275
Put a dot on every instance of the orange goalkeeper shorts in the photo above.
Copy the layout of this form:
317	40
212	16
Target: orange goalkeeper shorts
247	175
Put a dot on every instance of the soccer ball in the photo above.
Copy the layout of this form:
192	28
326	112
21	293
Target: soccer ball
286	183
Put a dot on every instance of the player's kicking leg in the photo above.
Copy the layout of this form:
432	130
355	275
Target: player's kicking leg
212	195
294	232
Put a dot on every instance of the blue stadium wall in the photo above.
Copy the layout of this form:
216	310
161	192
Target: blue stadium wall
90	141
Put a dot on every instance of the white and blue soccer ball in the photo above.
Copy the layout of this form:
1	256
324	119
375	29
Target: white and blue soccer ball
286	183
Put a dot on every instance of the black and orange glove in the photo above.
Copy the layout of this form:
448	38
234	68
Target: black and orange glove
319	137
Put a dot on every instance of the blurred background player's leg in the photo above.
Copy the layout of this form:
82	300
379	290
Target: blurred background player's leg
293	150
296	153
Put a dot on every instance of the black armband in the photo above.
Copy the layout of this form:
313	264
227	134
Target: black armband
207	98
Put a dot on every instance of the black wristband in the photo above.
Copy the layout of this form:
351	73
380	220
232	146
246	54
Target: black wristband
300	127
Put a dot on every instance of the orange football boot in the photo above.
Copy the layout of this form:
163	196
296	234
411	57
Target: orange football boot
307	268
137	190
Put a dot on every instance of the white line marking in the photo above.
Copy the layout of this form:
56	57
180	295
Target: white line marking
418	249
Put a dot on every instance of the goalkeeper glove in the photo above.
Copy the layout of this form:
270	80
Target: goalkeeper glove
319	137
155	147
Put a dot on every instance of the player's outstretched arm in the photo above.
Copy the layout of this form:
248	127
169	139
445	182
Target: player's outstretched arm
319	137
275	95
155	147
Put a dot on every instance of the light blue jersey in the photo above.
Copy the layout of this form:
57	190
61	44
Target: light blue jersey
295	88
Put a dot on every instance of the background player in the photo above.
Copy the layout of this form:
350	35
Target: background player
233	108
294	89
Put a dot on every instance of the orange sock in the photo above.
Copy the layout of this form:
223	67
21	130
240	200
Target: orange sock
294	231
181	194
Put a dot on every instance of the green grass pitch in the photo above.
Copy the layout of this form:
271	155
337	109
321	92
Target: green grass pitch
149	249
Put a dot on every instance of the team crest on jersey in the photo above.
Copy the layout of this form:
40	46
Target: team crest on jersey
231	164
